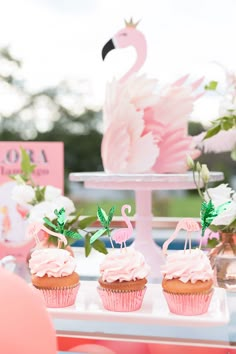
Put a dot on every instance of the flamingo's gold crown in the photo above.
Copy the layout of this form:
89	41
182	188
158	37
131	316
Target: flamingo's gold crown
131	24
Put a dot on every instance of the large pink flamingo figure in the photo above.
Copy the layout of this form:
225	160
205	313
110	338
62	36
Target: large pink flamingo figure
145	131
122	235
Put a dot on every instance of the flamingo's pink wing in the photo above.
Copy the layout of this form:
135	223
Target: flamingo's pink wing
124	150
175	103
174	106
174	147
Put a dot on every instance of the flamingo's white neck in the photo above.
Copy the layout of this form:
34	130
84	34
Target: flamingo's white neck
141	50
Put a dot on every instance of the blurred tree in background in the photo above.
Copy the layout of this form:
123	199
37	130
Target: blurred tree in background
59	114
53	114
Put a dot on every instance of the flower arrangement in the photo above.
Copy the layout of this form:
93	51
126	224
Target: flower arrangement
218	209
46	204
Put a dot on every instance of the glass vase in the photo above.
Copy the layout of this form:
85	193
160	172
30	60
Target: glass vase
223	260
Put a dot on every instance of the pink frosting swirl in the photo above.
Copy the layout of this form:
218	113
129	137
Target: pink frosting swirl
125	265
189	266
52	262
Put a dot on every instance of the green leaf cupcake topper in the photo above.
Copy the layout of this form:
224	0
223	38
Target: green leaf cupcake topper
105	221
208	213
60	225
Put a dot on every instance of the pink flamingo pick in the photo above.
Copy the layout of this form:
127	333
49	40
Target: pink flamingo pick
188	224
34	228
121	235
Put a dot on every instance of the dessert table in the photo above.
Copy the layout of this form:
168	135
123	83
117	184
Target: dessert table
142	185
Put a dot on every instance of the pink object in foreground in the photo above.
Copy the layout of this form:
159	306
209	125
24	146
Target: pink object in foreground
28	308
122	235
145	131
121	301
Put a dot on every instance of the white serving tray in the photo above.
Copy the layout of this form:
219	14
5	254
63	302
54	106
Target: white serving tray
154	310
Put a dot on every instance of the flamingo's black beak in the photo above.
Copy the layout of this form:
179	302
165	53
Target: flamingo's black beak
107	48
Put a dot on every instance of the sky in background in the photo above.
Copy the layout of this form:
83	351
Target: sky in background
62	39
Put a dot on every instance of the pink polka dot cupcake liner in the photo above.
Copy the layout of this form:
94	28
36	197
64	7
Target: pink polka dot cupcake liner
188	304
121	301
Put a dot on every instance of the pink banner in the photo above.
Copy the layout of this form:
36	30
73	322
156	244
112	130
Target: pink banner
49	159
48	156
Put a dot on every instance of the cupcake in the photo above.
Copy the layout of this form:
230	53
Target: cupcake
53	273
187	279
122	283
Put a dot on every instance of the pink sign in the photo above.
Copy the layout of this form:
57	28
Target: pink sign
48	156
49	159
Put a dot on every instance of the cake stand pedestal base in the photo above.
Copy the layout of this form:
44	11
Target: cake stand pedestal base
144	241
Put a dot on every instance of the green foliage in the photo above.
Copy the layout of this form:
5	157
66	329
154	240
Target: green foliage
87	245
70	231
98	245
27	169
87	221
223	123
211	86
39	194
212	243
97	234
59	226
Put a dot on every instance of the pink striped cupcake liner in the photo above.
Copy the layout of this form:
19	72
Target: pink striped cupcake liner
188	304
60	297
121	301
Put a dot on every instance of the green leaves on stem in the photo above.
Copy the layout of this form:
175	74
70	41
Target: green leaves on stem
105	221
223	123
98	245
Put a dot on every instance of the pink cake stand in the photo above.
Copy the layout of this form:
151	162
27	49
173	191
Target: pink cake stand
142	185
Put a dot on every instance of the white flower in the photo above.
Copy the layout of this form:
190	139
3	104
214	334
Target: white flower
66	203
219	195
23	194
51	193
205	173
227	216
227	107
39	211
47	208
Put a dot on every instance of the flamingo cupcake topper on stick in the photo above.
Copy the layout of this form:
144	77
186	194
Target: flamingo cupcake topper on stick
34	228
122	235
188	224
